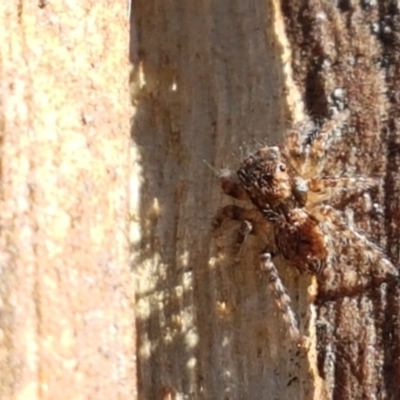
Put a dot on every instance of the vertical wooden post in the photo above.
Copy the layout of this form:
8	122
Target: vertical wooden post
213	79
66	293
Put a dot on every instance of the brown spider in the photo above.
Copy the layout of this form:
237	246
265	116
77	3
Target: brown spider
289	190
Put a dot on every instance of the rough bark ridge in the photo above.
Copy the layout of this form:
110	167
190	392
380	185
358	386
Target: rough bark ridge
66	319
353	49
223	76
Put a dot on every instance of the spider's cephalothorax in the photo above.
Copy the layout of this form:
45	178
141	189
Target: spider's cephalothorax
271	181
265	178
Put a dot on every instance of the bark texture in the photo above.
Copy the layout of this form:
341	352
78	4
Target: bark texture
354	48
66	317
212	79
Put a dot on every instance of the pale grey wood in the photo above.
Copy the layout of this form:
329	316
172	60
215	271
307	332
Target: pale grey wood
209	84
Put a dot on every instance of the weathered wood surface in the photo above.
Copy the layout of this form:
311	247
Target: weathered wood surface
209	82
355	48
213	79
66	315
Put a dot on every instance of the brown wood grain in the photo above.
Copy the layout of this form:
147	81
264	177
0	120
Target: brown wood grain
354	47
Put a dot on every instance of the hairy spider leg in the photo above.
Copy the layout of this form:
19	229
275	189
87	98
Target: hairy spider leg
281	296
338	191
354	262
307	144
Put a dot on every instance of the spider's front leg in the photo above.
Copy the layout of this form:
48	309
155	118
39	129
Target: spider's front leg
307	144
252	220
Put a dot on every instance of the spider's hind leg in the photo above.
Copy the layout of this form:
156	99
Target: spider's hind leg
355	263
281	296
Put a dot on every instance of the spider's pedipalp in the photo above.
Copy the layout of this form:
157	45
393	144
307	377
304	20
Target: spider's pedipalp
252	222
231	186
300	190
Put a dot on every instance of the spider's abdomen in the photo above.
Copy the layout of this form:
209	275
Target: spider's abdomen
301	241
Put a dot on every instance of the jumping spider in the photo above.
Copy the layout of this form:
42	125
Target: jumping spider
290	191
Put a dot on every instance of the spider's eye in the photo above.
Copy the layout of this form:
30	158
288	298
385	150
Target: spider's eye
250	160
282	167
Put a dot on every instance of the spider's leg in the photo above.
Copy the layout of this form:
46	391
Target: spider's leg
307	144
339	191
252	222
281	296
354	262
292	146
316	146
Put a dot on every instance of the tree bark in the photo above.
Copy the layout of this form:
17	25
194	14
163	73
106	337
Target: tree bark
66	316
355	48
211	80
